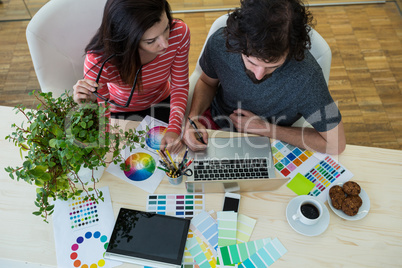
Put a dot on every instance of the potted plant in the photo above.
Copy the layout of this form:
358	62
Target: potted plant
61	139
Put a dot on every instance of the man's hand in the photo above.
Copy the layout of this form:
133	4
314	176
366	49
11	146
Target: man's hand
190	136
247	122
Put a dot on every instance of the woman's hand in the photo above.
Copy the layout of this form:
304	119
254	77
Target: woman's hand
172	142
83	91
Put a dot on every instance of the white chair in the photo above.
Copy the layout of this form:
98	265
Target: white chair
57	36
319	49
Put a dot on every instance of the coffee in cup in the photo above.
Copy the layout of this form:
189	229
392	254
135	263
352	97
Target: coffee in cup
308	212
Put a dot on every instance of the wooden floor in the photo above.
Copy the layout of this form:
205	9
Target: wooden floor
366	71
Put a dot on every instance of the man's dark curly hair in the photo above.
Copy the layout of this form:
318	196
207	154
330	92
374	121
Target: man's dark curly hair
268	29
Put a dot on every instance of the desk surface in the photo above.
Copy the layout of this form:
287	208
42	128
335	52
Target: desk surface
374	241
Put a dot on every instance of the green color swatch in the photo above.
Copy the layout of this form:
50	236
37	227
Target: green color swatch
237	253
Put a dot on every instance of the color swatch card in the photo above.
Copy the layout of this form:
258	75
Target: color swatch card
201	252
320	169
227	228
188	259
245	227
325	173
290	160
238	253
143	171
207	228
265	256
82	230
181	205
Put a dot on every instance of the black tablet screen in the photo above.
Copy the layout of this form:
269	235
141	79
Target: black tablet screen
149	236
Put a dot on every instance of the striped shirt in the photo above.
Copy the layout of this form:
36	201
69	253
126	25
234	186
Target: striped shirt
166	75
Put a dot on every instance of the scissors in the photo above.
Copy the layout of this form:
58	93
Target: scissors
187	172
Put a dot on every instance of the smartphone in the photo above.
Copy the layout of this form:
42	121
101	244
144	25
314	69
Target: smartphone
231	202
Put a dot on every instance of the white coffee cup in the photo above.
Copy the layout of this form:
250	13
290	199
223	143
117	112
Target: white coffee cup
309	212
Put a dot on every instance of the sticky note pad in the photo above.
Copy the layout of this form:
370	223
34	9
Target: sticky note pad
300	185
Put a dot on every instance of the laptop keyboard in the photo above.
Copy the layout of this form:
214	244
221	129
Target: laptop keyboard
233	169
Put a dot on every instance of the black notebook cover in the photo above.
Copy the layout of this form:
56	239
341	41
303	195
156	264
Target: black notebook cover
147	238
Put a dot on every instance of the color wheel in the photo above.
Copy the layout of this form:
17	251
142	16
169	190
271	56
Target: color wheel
76	258
141	166
154	137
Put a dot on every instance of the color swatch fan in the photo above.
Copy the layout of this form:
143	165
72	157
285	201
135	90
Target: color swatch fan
223	248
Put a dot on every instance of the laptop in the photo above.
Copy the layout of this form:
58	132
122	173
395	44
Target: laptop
236	164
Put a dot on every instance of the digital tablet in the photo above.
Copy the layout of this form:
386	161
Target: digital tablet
148	239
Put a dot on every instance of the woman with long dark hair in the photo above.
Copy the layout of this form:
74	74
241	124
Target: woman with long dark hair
138	63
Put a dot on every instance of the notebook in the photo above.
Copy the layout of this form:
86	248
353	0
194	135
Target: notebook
237	164
148	239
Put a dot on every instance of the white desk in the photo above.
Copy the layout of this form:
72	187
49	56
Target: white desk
375	241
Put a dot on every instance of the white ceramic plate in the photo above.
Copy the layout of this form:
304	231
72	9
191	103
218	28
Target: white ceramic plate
308	230
363	210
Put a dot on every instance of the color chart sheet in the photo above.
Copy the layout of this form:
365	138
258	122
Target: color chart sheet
320	169
178	205
82	230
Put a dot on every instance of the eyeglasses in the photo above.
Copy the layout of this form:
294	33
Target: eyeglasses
112	101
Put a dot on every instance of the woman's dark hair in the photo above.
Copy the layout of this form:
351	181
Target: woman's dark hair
123	25
268	29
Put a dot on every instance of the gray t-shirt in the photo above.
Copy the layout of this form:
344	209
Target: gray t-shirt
295	89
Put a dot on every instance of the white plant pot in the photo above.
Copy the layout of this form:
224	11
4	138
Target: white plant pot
85	174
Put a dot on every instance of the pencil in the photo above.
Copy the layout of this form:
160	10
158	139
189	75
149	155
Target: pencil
184	158
167	152
189	162
163	158
163	169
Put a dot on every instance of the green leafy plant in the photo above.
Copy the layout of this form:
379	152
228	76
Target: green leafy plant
59	139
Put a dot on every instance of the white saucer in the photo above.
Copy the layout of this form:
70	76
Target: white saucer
363	210
308	230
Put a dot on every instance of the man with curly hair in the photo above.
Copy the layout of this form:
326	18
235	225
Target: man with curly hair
259	77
